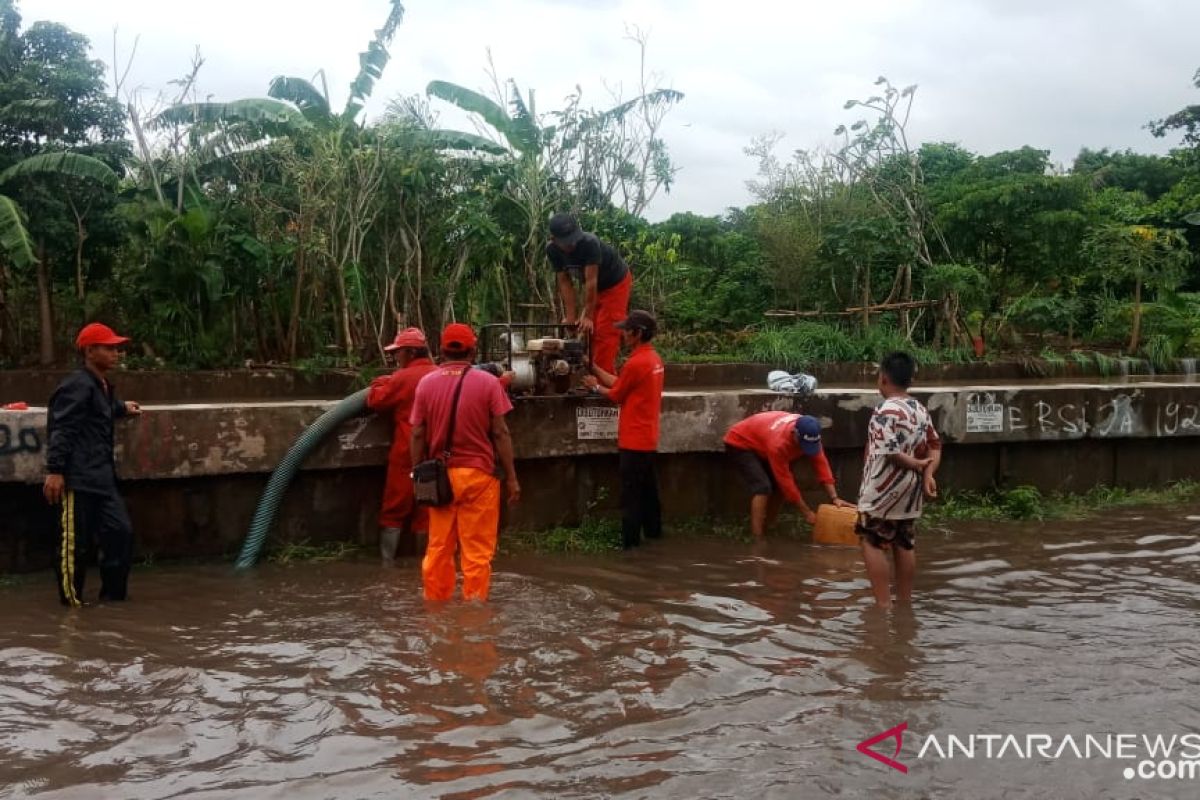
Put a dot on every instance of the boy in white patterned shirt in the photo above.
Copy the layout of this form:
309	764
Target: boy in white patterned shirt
903	453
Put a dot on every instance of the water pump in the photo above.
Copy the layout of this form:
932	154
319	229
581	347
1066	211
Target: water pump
545	359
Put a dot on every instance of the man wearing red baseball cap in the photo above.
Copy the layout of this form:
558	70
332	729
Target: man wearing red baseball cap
393	395
471	522
81	471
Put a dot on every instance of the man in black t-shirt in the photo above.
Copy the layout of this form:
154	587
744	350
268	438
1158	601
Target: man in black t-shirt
606	282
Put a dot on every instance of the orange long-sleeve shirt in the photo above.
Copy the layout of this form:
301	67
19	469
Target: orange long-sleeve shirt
395	393
771	436
638	391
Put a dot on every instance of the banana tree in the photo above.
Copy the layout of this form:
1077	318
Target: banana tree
584	160
529	185
322	147
15	241
293	104
520	130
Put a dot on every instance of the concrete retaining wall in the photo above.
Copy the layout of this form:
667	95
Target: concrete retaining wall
279	383
194	472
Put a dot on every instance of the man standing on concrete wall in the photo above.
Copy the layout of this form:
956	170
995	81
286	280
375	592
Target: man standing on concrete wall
471	522
606	282
393	395
638	391
81	471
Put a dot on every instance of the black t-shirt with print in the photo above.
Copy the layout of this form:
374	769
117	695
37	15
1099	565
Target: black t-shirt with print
589	250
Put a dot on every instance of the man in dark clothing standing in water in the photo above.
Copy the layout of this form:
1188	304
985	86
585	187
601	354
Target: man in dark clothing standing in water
606	281
81	471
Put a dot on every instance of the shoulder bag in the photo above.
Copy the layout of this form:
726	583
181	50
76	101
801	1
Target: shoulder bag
431	479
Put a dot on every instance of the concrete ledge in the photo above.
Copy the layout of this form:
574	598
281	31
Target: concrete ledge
189	441
194	473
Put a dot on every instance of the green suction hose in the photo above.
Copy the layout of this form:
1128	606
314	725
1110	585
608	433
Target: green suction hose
264	516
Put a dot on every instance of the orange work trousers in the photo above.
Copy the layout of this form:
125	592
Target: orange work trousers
612	306
469	525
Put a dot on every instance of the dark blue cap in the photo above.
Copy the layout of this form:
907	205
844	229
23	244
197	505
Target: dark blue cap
808	434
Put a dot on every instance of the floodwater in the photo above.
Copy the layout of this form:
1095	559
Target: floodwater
688	669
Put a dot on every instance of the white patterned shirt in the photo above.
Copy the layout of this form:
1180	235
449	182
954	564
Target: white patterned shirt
889	490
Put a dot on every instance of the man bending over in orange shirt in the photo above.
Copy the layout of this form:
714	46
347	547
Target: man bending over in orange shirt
763	447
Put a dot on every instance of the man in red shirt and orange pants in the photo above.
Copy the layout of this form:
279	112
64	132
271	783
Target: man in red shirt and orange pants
762	448
471	522
393	394
638	391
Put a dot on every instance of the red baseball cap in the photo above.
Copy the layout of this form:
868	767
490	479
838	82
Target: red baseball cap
457	336
97	333
409	337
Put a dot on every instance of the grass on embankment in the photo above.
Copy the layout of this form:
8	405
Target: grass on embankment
1028	503
303	552
597	535
603	535
1023	503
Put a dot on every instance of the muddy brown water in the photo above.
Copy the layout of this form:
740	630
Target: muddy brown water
689	669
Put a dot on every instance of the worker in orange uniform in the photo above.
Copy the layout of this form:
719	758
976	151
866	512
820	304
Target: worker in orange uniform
471	522
638	391
606	282
393	395
762	448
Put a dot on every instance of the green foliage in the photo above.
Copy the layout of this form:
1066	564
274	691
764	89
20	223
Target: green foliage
1152	176
592	536
372	62
1022	502
519	132
68	165
250	111
313	105
14	238
303	552
1160	350
1045	313
805	344
1025	503
278	229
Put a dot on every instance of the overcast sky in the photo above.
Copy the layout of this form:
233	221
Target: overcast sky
993	74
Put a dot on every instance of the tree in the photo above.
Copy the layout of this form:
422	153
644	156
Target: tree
1181	203
878	154
577	158
57	125
336	163
1186	121
1151	175
1147	257
1021	228
799	200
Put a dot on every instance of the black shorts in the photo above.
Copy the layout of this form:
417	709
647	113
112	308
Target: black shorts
753	468
880	533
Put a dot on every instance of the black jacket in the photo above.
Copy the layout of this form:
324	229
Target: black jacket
79	428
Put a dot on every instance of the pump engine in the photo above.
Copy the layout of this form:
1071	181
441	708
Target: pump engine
545	359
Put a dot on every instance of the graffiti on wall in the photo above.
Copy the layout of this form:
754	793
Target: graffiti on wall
22	440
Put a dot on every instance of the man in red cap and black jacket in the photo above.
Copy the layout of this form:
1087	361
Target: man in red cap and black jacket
81	471
393	394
